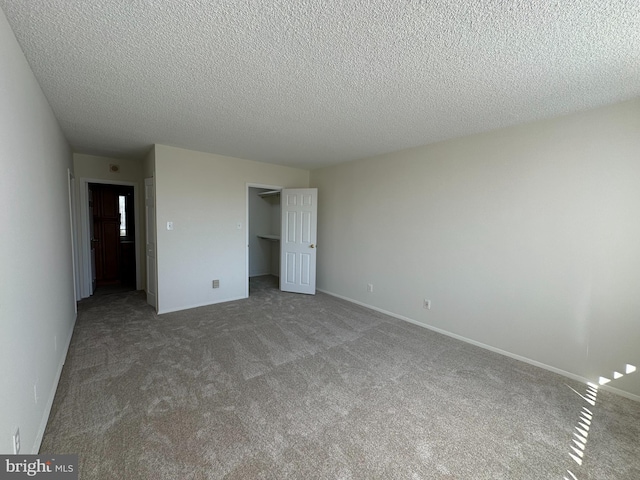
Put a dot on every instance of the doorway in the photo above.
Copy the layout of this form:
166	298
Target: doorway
281	236
263	230
113	238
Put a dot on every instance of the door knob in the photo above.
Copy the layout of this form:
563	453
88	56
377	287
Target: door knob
312	246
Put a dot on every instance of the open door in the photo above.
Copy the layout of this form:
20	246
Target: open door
150	224
299	207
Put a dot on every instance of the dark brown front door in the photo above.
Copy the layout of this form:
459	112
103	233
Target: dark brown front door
113	241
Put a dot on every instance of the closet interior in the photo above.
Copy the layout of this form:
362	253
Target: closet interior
264	232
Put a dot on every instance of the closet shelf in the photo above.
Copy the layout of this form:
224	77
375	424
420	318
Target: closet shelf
270	193
273	238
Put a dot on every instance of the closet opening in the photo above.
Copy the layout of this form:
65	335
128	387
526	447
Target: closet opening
263	232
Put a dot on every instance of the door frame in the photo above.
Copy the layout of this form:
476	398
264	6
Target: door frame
150	181
85	234
246	228
74	237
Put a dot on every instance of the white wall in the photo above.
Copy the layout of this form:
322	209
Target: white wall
93	166
525	239
205	196
130	171
37	312
149	164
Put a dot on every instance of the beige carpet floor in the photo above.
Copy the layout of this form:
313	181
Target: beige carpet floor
285	386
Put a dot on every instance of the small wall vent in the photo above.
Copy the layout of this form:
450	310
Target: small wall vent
216	284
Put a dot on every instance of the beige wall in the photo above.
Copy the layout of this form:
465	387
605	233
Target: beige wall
149	163
205	196
92	166
37	306
130	171
525	239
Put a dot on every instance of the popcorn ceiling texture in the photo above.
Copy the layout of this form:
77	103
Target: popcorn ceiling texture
310	83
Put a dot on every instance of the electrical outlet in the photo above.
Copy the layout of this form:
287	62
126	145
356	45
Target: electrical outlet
16	442
426	304
215	283
370	287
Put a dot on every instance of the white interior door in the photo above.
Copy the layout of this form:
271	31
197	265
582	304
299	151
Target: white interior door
299	208
150	224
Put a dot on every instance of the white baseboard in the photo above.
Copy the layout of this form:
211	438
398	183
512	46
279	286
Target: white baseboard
530	361
52	393
622	393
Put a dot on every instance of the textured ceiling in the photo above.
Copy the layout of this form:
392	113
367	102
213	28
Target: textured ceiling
310	83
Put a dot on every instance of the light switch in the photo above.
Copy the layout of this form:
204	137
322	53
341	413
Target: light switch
169	225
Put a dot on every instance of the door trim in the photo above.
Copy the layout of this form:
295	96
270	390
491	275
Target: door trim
149	182
246	228
85	234
74	237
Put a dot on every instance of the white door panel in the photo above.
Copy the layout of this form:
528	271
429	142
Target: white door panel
298	240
